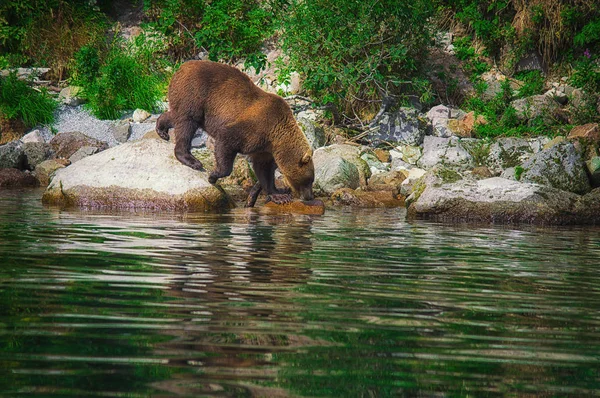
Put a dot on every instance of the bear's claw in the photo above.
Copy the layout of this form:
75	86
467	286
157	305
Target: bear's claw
280	198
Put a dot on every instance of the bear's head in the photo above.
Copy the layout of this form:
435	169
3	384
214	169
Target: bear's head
300	177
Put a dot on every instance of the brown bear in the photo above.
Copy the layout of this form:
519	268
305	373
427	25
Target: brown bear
241	118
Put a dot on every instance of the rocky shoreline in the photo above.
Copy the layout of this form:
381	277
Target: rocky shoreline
434	167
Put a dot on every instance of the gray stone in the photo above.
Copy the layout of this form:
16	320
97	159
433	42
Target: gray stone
531	60
559	166
509	152
399	164
83	152
12	155
71	96
32	136
199	139
36	153
498	200
445	151
66	144
438	118
138	130
349	153
122	131
404	126
333	173
509	174
375	165
136	175
139	115
313	131
45	171
408	153
533	107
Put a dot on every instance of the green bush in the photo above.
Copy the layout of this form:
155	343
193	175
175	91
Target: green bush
116	82
350	52
533	83
19	101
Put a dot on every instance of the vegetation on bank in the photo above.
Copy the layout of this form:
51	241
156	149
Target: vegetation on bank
351	55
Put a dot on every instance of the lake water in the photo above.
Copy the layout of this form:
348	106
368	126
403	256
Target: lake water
349	304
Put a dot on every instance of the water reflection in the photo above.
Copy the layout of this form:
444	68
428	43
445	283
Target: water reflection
348	304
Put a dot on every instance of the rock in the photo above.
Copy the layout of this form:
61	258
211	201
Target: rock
33	137
404	126
122	131
314	207
313	131
36	153
481	172
383	155
139	115
370	199
407	185
10	129
511	173
66	144
560	93
70	96
332	173
12	156
459	128
588	132
445	151
494	80
387	181
498	200
375	165
531	60
44	172
560	167
13	178
199	140
139	130
83	152
533	107
438	117
349	153
400	165
239	182
136	175
510	152
593	167
408	153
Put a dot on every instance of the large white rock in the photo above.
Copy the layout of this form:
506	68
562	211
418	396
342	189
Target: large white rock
447	152
143	174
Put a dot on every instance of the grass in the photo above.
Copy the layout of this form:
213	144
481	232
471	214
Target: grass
20	101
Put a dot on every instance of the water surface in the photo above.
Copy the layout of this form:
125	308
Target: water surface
349	304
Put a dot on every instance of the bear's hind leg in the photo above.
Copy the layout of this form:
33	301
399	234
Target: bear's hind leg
163	124
224	158
184	133
264	168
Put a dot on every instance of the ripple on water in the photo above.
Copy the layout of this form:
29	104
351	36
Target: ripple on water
357	303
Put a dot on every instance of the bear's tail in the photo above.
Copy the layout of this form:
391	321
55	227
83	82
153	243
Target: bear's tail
163	124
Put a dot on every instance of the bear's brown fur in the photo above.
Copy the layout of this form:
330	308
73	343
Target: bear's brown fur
241	118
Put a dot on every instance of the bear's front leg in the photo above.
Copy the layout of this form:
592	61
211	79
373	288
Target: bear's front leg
224	158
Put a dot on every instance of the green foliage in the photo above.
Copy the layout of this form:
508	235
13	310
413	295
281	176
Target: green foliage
19	101
350	52
474	65
518	171
117	82
533	83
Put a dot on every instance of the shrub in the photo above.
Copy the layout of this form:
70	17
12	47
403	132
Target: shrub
19	101
351	53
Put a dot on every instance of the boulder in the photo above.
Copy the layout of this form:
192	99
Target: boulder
588	132
66	144
533	107
445	151
83	152
13	178
44	172
350	153
12	155
498	200
241	179
407	153
122	131
404	126
438	118
332	173
510	152
313	131
36	153
369	199
136	175
387	181
560	166
33	137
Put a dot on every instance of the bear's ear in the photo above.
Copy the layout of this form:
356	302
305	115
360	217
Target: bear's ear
307	156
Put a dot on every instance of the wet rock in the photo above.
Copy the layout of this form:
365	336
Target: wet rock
66	144
560	167
13	178
445	151
44	172
239	182
83	152
36	153
498	200
369	199
350	153
315	207
139	115
12	156
313	131
136	175
122	131
71	96
404	126
588	132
